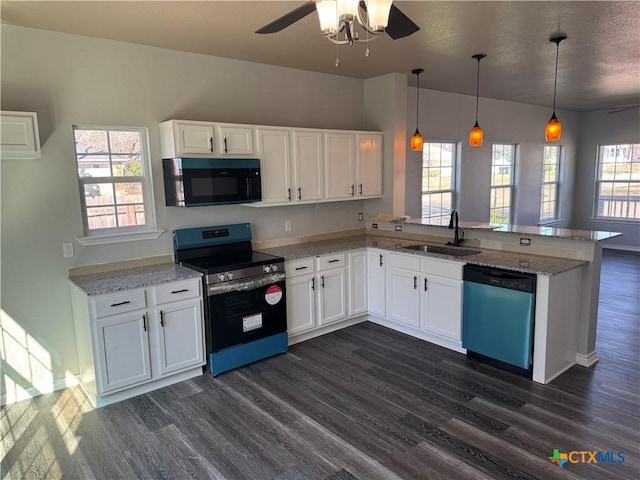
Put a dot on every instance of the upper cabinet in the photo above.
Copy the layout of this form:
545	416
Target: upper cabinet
180	138
368	167
340	165
19	136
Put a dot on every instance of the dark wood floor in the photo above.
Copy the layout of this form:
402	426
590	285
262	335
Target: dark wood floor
362	403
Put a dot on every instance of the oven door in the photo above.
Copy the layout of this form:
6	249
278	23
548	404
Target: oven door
247	310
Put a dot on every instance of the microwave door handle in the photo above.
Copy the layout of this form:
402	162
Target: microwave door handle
248	184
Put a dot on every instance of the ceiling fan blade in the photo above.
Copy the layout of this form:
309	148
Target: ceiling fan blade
289	19
623	108
400	25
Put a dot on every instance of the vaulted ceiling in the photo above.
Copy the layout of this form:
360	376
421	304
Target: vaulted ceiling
599	63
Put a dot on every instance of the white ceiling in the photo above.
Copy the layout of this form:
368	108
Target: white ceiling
599	63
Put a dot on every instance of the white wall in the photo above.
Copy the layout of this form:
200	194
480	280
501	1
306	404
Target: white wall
71	80
448	117
601	128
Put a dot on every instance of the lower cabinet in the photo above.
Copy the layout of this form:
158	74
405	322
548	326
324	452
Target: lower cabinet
138	340
301	303
357	278
376	282
402	285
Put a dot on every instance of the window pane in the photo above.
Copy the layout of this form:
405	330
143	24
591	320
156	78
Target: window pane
127	165
101	217
98	194
130	215
94	166
124	142
438	179
91	141
129	192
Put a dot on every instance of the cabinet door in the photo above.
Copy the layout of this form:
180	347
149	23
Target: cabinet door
369	165
376	278
273	150
403	296
122	351
339	166
307	165
357	283
193	139
332	296
235	140
180	338
301	304
442	307
19	135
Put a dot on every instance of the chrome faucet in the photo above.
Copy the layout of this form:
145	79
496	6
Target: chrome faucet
453	224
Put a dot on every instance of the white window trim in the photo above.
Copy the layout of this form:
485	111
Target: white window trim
557	213
123	234
454	181
596	196
511	185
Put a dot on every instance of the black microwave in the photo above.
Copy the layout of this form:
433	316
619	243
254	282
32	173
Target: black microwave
193	182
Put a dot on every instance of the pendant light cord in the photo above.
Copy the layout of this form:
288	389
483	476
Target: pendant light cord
477	87
555	81
417	100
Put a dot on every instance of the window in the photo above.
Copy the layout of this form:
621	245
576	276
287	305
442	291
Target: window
618	182
438	180
550	183
113	174
502	169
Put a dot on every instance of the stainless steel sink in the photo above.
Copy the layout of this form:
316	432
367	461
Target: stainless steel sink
444	250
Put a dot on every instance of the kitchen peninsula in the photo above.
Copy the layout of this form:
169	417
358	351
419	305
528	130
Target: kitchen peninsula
567	263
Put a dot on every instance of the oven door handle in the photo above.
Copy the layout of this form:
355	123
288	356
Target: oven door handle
245	284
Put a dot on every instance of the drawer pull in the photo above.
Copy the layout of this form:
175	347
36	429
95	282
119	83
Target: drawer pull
334	261
161	319
380	259
360	189
289	194
211	144
322	281
120	303
180	291
301	268
425	284
144	322
415	283
313	283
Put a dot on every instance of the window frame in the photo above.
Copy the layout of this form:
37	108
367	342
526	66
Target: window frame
119	233
511	185
556	182
453	191
613	148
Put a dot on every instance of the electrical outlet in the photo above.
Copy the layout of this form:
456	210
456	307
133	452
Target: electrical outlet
525	241
287	225
67	250
360	216
374	225
398	228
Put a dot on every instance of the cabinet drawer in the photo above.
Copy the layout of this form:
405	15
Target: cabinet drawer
128	301
405	262
442	268
174	291
331	261
295	268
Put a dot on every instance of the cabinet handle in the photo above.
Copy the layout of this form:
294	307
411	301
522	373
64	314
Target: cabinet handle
144	322
301	268
289	194
121	303
299	194
161	319
415	283
211	144
180	291
322	281
425	284
313	283
334	260
225	145
353	190
380	259
360	189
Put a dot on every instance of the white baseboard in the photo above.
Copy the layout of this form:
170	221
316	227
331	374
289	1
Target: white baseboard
33	391
624	248
587	360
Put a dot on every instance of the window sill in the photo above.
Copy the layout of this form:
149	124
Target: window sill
627	221
550	223
120	238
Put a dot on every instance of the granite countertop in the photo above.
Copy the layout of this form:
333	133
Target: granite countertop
129	278
519	262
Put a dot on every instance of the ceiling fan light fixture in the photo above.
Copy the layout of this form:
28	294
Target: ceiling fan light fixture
475	135
327	15
378	13
553	130
416	139
348	10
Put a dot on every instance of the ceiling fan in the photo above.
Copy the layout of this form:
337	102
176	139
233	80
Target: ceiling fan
334	21
622	108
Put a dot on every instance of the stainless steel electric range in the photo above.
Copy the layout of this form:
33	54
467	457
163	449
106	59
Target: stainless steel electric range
245	297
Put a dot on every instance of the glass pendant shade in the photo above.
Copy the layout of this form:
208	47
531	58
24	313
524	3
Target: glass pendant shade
476	136
327	14
553	130
416	141
378	12
348	9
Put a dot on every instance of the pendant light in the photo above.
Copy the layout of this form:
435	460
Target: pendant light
476	135
553	130
416	139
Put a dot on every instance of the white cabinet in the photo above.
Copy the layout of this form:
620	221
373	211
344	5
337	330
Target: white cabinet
179	138
441	308
273	146
403	293
138	340
307	166
340	160
369	165
357	283
301	296
332	288
19	136
376	282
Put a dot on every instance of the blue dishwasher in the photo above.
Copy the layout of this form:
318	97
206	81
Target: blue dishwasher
497	317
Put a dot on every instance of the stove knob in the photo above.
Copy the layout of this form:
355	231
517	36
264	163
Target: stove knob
274	268
229	276
221	277
267	269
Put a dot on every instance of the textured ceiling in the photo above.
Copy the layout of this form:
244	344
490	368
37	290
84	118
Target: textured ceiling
599	63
